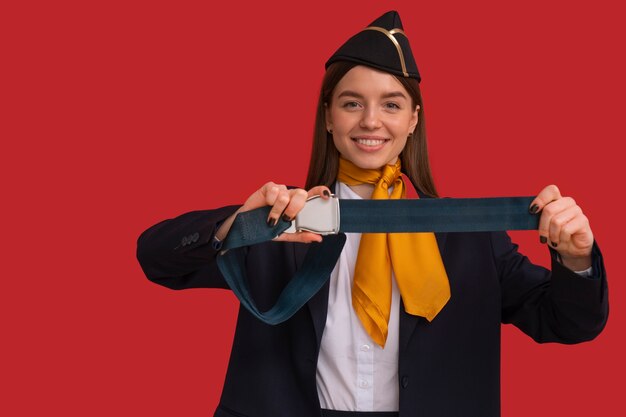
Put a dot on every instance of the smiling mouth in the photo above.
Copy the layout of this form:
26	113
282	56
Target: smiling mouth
369	141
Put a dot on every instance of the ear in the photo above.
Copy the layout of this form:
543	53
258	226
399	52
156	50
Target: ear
414	119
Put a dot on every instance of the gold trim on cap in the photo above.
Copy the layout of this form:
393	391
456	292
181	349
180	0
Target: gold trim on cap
389	34
394	31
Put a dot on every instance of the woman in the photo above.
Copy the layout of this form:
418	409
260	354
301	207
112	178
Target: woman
408	324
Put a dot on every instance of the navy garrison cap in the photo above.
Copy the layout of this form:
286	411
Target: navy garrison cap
382	45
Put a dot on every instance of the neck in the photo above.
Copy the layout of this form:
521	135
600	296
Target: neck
363	190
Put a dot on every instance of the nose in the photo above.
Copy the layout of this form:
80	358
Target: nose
370	119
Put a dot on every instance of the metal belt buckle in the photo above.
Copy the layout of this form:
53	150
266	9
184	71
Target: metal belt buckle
318	216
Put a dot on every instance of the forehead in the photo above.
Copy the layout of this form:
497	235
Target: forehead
369	81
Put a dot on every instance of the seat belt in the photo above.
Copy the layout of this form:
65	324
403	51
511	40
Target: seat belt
333	217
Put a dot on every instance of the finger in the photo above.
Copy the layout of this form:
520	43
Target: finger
545	196
281	201
321	190
271	185
267	191
547	214
297	200
559	221
302	237
579	224
270	192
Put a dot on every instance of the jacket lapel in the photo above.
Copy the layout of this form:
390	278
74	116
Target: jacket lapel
408	322
318	304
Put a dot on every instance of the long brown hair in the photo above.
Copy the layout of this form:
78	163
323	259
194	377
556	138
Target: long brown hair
324	162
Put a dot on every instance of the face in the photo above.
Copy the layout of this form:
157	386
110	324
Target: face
370	115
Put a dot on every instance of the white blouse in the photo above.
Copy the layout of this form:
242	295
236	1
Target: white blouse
353	372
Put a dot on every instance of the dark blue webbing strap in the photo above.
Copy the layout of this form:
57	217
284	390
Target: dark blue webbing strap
361	216
437	215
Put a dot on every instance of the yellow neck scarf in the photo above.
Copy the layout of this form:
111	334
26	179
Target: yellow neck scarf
415	259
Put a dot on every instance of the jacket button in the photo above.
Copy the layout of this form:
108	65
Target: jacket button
405	381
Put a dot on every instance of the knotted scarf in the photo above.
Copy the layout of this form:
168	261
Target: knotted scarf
414	257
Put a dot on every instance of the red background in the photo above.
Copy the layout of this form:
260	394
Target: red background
118	114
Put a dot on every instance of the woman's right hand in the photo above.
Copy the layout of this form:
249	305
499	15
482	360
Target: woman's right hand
286	203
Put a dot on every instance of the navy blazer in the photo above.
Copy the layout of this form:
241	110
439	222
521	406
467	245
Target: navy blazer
446	368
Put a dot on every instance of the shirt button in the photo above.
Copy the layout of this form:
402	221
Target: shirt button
365	348
363	383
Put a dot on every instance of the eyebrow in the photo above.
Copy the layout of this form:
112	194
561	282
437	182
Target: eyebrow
391	94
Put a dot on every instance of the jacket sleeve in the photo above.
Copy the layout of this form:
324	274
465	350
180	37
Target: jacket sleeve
550	306
178	253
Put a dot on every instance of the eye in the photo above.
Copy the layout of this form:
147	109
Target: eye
392	105
350	105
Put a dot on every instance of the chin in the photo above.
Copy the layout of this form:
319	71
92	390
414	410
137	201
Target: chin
365	163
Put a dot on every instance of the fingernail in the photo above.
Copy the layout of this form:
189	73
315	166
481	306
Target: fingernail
553	244
271	222
543	239
286	218
326	193
534	208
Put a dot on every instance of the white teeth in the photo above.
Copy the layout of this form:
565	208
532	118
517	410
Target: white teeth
370	142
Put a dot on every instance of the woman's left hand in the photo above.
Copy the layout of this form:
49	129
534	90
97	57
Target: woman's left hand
564	226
